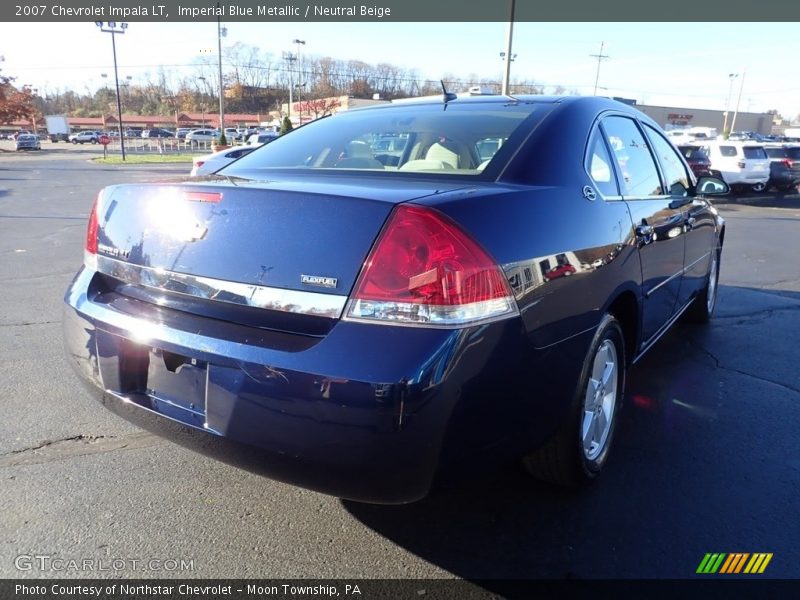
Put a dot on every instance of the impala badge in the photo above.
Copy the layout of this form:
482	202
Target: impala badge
328	282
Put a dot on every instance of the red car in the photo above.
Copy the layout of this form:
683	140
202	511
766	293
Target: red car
564	270
698	160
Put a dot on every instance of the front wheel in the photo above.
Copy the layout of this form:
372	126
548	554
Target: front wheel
579	450
759	187
75	142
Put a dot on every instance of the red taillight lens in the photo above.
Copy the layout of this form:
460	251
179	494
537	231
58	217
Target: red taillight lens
787	162
90	247
425	270
91	230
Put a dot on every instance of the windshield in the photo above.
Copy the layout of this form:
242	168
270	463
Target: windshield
442	139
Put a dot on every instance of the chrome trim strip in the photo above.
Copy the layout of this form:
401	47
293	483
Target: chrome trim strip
704	257
653	290
207	288
678	274
658	334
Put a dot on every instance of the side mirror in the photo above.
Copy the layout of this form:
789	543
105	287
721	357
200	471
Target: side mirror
712	186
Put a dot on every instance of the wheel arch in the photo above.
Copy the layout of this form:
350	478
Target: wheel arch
625	308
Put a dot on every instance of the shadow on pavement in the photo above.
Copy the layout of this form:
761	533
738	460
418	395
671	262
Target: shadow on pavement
672	485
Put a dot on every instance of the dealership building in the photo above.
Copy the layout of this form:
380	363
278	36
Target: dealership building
674	117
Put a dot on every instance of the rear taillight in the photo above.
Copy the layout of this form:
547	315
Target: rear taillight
424	270
90	248
787	162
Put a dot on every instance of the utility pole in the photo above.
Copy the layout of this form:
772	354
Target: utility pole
297	58
600	58
290	58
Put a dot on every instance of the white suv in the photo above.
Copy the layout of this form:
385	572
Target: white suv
740	163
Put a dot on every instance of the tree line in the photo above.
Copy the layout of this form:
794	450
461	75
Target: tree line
259	82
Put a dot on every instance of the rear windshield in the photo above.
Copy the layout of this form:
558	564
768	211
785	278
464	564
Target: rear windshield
793	153
693	153
452	139
754	152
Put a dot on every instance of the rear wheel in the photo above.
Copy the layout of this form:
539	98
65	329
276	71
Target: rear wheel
759	187
702	308
578	451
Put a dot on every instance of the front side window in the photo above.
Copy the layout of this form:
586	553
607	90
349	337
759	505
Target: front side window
727	150
675	175
640	177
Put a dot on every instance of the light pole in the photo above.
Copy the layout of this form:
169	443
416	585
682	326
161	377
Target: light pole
220	33
507	53
731	76
114	28
738	100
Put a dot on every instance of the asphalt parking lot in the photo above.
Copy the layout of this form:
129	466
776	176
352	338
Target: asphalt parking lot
707	457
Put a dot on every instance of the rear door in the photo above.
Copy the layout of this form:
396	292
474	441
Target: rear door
658	223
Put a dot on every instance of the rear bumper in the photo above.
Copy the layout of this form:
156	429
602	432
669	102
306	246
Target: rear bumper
362	413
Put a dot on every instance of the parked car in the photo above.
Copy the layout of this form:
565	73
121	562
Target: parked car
259	139
741	164
209	163
315	316
157	133
133	132
27	141
784	166
197	136
181	132
84	137
698	160
563	270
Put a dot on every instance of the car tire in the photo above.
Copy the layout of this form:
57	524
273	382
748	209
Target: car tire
702	308
94	140
758	187
579	450
75	142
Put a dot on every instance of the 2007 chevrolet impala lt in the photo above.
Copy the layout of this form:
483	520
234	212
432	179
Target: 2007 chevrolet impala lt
393	291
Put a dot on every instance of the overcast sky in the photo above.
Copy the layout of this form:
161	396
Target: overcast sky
672	64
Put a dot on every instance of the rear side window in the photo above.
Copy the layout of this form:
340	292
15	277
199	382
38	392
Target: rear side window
776	152
728	150
598	164
793	153
754	152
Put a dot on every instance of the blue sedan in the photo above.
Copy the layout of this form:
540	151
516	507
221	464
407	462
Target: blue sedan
357	321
